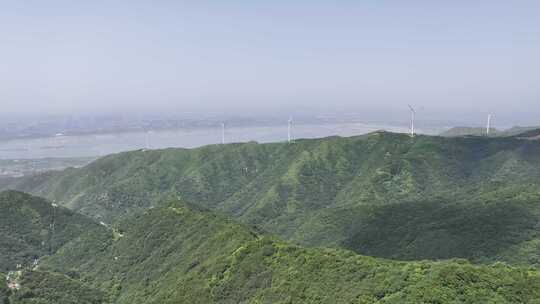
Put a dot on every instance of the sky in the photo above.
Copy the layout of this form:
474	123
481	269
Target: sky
448	58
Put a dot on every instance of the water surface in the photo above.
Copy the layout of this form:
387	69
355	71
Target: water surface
103	144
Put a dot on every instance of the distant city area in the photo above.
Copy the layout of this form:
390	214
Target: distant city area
23	167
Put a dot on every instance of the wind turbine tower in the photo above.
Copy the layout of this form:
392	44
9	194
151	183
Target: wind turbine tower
413	117
223	133
289	130
488	127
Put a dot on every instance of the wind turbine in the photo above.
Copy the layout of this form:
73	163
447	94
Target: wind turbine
488	127
413	116
223	125
53	221
289	130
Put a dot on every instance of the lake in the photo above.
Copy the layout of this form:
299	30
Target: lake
103	144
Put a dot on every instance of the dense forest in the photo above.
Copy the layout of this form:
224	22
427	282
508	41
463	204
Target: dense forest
31	227
182	253
382	194
379	218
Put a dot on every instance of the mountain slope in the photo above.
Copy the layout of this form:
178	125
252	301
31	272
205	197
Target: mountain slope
469	131
530	135
481	131
31	227
335	191
477	230
46	287
4	292
182	254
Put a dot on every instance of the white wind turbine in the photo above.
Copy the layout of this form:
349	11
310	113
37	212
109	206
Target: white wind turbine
488	127
223	125
289	129
413	117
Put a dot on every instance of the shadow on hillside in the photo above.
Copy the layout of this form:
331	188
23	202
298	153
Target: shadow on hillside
436	230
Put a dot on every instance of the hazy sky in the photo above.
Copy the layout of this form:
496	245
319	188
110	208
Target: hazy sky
450	57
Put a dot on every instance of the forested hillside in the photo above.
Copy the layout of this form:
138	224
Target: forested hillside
39	287
31	227
179	253
4	292
381	194
481	131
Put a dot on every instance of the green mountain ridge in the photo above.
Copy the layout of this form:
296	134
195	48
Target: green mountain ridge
30	227
180	253
183	253
469	131
42	287
381	194
4	291
481	131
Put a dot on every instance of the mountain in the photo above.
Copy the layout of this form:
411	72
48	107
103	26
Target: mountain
517	130
45	287
531	134
477	131
4	292
30	227
381	194
468	131
181	253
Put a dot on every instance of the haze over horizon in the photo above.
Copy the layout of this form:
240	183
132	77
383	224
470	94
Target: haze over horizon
452	60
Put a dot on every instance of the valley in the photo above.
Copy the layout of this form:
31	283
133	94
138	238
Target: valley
182	253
